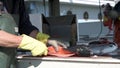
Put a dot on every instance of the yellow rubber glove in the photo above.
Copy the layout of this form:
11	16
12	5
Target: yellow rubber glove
37	48
42	37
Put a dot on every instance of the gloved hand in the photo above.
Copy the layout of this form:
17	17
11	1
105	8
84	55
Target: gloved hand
44	38
37	48
56	43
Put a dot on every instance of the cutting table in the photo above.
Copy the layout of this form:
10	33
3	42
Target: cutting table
69	62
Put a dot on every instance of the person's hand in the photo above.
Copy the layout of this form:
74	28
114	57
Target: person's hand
56	43
36	47
44	38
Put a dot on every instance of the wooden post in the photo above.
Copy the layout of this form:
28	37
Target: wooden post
54	8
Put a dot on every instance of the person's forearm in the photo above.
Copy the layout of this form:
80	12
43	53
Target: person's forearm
9	40
34	33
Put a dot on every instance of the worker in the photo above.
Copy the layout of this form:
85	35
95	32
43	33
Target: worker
117	24
9	41
112	17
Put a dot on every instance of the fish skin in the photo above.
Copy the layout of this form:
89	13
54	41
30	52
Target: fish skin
101	49
80	50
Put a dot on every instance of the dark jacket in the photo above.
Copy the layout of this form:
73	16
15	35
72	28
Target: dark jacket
117	7
18	7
